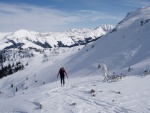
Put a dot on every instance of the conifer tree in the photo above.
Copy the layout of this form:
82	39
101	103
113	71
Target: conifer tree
12	85
10	71
16	89
13	64
1	73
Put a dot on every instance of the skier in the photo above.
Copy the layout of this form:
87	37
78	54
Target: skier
62	73
105	72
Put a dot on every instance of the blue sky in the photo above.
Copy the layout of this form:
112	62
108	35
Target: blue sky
62	15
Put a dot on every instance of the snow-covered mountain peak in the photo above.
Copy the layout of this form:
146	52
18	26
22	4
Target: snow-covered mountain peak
22	36
21	33
126	45
143	10
80	30
105	27
138	17
29	39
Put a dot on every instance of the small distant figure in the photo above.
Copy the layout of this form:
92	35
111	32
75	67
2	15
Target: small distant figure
105	72
99	66
62	74
129	69
12	85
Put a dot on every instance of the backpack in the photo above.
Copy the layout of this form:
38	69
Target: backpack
62	71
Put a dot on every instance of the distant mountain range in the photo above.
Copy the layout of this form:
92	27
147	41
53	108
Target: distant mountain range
30	39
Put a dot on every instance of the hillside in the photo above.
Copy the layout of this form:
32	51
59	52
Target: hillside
125	47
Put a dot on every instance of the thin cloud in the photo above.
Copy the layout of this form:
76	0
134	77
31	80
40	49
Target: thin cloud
25	16
37	13
31	17
91	15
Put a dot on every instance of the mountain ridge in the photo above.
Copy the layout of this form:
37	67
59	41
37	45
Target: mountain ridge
32	39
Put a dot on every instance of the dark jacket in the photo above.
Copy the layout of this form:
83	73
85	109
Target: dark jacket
62	72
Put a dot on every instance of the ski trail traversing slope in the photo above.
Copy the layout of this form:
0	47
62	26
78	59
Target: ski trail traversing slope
129	95
60	99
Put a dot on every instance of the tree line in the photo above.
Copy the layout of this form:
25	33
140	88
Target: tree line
10	69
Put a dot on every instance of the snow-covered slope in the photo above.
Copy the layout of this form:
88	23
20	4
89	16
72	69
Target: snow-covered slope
127	45
30	39
131	95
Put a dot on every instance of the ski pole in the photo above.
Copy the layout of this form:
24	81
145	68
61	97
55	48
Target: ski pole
57	80
67	80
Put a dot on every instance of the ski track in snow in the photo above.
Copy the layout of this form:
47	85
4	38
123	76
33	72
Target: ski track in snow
56	99
60	99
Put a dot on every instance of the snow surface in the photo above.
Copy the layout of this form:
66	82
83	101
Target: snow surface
130	95
127	45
